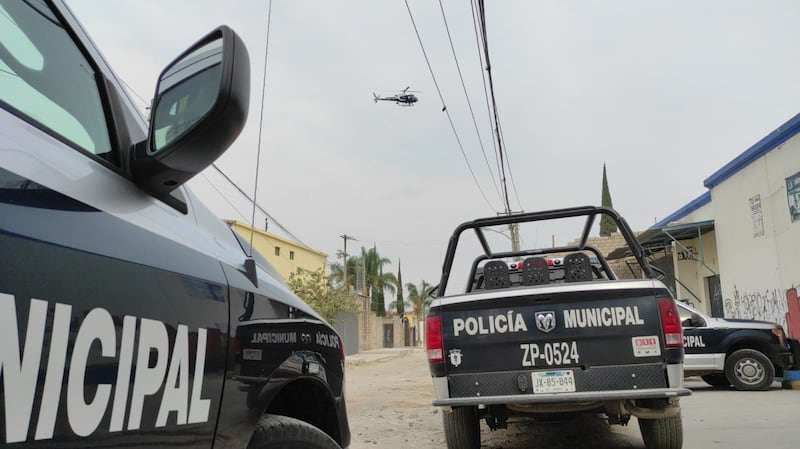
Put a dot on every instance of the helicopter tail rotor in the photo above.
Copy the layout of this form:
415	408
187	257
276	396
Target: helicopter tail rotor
375	97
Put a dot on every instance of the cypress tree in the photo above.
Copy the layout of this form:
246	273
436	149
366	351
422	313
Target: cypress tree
401	308
378	301
607	224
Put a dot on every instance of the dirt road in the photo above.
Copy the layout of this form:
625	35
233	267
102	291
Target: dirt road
389	405
389	401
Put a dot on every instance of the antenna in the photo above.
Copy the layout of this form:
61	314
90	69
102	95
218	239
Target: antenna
249	263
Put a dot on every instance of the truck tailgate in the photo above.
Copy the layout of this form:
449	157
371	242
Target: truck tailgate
554	342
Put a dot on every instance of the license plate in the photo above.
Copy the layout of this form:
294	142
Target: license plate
561	381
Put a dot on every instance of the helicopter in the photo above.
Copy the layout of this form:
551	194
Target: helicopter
404	98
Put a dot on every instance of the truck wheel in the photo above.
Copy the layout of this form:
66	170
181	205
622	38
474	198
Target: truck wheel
664	433
283	432
461	428
749	369
718	380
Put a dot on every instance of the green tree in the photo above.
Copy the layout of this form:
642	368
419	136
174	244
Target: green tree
337	273
400	303
317	291
376	280
607	224
420	299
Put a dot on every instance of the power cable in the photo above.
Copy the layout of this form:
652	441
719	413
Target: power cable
230	203
469	103
261	209
260	127
144	102
494	104
444	108
485	87
510	173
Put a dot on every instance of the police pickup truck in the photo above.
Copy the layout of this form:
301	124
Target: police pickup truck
131	316
529	335
747	354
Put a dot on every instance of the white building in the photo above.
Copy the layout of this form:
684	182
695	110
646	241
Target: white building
736	248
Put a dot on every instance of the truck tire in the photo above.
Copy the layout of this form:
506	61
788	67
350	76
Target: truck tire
719	380
664	433
748	369
461	428
283	432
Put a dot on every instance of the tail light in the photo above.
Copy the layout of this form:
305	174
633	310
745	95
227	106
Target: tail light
433	338
670	323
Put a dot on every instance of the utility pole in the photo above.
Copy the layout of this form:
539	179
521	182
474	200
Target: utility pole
346	237
513	230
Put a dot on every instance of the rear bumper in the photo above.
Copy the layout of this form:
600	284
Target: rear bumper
591	396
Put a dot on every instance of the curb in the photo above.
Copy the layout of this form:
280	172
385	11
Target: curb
374	356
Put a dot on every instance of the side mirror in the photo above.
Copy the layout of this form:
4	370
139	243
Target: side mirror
694	321
199	108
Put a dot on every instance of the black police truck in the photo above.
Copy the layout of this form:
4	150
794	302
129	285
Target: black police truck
547	332
747	354
131	316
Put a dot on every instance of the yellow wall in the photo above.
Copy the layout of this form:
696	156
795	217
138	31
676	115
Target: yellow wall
292	255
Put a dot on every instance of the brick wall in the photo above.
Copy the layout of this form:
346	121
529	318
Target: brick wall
608	244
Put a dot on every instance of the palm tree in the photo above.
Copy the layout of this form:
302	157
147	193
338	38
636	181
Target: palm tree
393	306
337	273
420	298
376	280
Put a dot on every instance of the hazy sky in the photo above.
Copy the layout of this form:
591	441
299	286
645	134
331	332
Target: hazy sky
663	93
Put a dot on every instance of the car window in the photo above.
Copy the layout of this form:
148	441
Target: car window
44	76
686	314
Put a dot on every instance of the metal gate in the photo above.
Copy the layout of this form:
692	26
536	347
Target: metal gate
346	325
714	291
388	335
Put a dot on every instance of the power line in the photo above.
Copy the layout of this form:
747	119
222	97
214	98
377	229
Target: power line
144	102
227	178
469	103
485	87
494	104
444	108
510	173
230	203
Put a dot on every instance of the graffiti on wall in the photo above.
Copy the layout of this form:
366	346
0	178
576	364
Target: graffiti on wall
766	305
687	253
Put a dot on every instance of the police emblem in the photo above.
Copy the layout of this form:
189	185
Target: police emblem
455	357
545	321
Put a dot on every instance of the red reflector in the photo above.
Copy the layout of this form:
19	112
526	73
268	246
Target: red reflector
670	323
433	338
549	262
